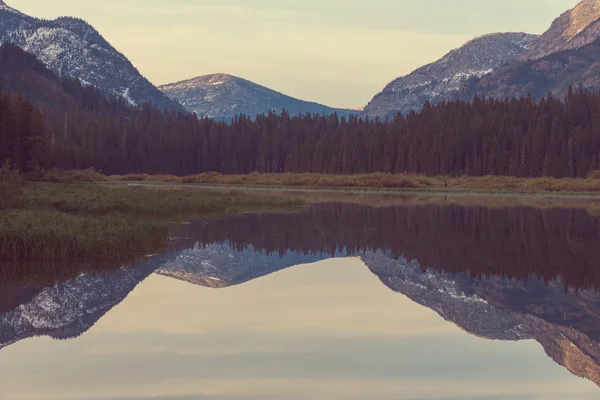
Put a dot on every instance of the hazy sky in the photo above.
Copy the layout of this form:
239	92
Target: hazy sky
337	52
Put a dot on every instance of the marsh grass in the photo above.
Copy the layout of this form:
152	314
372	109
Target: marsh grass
147	203
49	236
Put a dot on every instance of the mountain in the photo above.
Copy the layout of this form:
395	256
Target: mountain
222	97
446	76
71	47
573	29
553	73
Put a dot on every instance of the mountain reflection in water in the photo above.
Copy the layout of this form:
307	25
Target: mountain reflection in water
501	274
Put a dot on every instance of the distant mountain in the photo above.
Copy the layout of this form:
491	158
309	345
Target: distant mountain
446	76
71	47
573	29
554	74
222	97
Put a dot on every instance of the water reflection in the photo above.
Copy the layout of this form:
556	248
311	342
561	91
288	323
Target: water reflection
502	274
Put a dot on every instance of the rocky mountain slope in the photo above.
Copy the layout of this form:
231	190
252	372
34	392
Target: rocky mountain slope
71	47
573	29
554	74
446	76
222	97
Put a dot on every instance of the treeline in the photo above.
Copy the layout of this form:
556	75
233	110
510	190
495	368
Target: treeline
521	243
519	137
22	134
484	137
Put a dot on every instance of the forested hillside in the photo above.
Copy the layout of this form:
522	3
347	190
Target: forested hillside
552	137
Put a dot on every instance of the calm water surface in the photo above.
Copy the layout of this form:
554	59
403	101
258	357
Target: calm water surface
339	302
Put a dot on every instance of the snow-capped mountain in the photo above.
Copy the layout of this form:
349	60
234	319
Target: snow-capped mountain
71	47
573	29
442	78
222	97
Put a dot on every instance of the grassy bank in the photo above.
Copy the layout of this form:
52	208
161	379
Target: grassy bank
407	182
53	223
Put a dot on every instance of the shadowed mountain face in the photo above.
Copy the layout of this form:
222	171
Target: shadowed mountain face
224	97
71	47
501	274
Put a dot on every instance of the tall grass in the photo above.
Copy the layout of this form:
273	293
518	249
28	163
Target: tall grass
10	187
49	236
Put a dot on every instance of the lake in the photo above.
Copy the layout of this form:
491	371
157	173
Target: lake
340	301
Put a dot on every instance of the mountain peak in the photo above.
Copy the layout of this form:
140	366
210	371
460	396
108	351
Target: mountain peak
573	29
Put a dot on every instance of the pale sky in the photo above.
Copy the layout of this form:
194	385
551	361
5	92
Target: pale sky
337	52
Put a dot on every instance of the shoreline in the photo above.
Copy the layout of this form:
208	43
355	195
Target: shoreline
454	192
363	183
